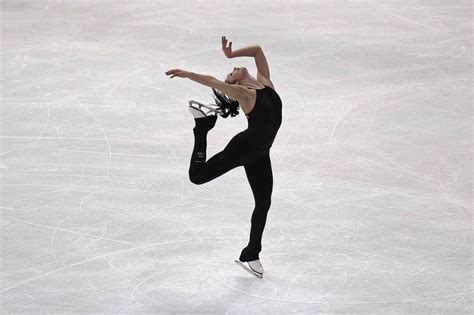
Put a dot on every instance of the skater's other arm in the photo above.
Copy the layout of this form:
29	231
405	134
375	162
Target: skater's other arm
262	64
260	60
251	51
235	91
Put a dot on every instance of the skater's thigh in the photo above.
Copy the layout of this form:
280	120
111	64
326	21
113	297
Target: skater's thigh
238	143
260	177
230	157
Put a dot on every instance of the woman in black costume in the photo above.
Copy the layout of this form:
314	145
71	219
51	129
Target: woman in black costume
249	148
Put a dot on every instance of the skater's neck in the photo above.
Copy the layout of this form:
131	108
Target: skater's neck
250	82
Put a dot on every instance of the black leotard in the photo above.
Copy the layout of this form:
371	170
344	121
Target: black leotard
249	148
264	119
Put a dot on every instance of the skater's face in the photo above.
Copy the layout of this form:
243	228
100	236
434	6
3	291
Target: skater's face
236	75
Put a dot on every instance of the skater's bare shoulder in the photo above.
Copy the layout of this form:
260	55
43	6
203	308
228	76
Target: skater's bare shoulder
262	79
239	92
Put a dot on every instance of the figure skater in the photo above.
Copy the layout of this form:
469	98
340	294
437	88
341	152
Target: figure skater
249	148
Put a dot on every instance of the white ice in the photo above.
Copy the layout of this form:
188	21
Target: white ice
372	198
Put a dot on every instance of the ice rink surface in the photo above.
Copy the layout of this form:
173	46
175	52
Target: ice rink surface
372	198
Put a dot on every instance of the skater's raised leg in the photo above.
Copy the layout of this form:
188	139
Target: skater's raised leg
202	127
202	171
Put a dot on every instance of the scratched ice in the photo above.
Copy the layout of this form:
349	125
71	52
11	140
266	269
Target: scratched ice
372	198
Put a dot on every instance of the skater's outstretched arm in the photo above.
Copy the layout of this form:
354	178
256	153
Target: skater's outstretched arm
237	92
251	51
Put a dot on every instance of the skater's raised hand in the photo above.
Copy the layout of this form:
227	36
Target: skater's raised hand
227	50
178	72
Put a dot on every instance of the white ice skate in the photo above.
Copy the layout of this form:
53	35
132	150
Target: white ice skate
200	110
254	267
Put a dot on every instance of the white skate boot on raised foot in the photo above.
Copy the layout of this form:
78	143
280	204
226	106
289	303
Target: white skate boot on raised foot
254	267
200	110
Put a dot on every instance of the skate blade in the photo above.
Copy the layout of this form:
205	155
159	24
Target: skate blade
256	274
197	105
197	113
210	113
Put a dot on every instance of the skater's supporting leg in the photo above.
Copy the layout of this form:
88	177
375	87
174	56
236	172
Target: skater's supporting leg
260	177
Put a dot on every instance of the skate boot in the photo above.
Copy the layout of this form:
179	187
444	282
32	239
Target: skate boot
250	252
250	261
254	267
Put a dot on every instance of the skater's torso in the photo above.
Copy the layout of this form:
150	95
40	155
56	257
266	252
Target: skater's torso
264	118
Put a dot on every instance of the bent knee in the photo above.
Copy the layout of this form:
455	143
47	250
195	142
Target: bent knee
195	180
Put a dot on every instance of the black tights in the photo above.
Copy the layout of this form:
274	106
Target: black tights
259	174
